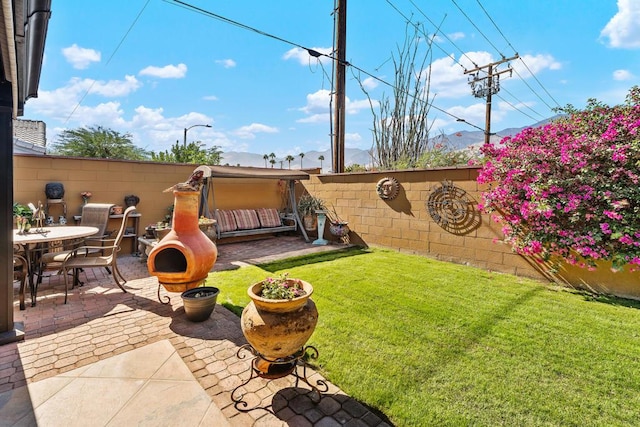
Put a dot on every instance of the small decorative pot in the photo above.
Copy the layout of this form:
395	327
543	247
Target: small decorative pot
339	229
54	190
278	328
199	302
131	200
116	210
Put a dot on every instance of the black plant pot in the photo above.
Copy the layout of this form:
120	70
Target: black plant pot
54	190
199	302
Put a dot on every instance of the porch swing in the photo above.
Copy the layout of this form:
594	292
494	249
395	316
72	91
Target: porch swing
252	221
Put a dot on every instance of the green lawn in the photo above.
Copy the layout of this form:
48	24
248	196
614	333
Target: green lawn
433	343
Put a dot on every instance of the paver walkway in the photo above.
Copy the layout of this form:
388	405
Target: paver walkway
104	327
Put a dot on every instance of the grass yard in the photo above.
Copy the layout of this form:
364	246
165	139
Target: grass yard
433	343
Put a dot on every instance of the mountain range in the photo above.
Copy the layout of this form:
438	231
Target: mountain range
458	140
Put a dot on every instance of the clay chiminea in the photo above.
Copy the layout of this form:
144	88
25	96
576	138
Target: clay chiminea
183	258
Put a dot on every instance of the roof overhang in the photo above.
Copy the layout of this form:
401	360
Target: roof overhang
23	31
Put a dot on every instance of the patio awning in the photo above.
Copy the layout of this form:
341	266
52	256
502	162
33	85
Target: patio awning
253	172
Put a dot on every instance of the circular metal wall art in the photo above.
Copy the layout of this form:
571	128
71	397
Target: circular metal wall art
388	188
451	208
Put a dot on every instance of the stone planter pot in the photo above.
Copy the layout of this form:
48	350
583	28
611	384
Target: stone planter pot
278	328
199	302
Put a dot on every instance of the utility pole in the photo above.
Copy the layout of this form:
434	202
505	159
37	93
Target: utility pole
482	87
339	100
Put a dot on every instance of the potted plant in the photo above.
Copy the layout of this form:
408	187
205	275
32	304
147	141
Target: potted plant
279	319
199	302
23	215
337	226
307	207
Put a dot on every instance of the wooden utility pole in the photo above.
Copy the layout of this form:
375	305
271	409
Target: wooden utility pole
339	94
482	87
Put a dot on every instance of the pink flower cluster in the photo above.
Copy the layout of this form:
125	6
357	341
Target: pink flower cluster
571	187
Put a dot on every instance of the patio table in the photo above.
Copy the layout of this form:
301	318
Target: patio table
33	243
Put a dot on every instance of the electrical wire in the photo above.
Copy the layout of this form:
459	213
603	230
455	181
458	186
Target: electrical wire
478	28
122	39
312	52
521	59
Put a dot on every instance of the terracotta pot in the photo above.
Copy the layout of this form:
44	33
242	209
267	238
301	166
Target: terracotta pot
199	302
184	257
309	222
278	328
339	229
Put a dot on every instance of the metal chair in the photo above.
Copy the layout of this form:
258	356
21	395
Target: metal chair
85	257
21	272
93	215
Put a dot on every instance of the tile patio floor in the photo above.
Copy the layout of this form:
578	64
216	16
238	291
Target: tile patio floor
113	359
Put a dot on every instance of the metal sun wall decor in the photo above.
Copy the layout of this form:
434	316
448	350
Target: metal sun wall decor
388	188
452	209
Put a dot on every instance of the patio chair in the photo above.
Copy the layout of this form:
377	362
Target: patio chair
85	257
93	215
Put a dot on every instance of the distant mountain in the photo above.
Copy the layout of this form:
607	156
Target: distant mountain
458	140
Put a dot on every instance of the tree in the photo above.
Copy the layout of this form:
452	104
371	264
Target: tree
400	125
265	157
321	158
193	153
570	188
289	159
273	162
98	142
301	156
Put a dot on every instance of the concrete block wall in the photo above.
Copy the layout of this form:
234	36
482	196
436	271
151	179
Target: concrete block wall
404	223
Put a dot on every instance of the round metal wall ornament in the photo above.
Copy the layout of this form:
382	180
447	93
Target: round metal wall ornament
388	188
451	208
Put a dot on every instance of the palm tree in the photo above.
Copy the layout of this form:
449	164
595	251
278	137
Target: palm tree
301	156
289	159
273	162
321	158
265	157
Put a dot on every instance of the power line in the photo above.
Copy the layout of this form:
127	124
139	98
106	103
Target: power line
521	59
477	28
122	39
311	52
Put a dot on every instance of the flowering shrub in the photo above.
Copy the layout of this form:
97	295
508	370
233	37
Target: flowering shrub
281	287
571	187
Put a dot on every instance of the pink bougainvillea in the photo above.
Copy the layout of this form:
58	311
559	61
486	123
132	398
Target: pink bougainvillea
571	187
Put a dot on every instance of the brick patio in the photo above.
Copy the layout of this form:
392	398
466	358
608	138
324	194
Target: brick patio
100	322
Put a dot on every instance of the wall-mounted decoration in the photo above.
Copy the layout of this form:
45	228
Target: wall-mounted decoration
452	209
388	188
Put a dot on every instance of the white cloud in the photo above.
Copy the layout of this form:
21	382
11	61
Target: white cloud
316	118
210	98
226	63
304	57
370	83
456	36
166	72
318	106
60	103
79	57
115	88
249	132
623	30
535	63
622	75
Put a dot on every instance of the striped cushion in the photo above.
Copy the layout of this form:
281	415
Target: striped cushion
246	219
226	221
268	217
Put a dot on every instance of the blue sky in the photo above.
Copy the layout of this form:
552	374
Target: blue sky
152	68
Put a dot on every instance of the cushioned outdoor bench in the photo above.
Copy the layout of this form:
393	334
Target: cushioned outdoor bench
249	222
